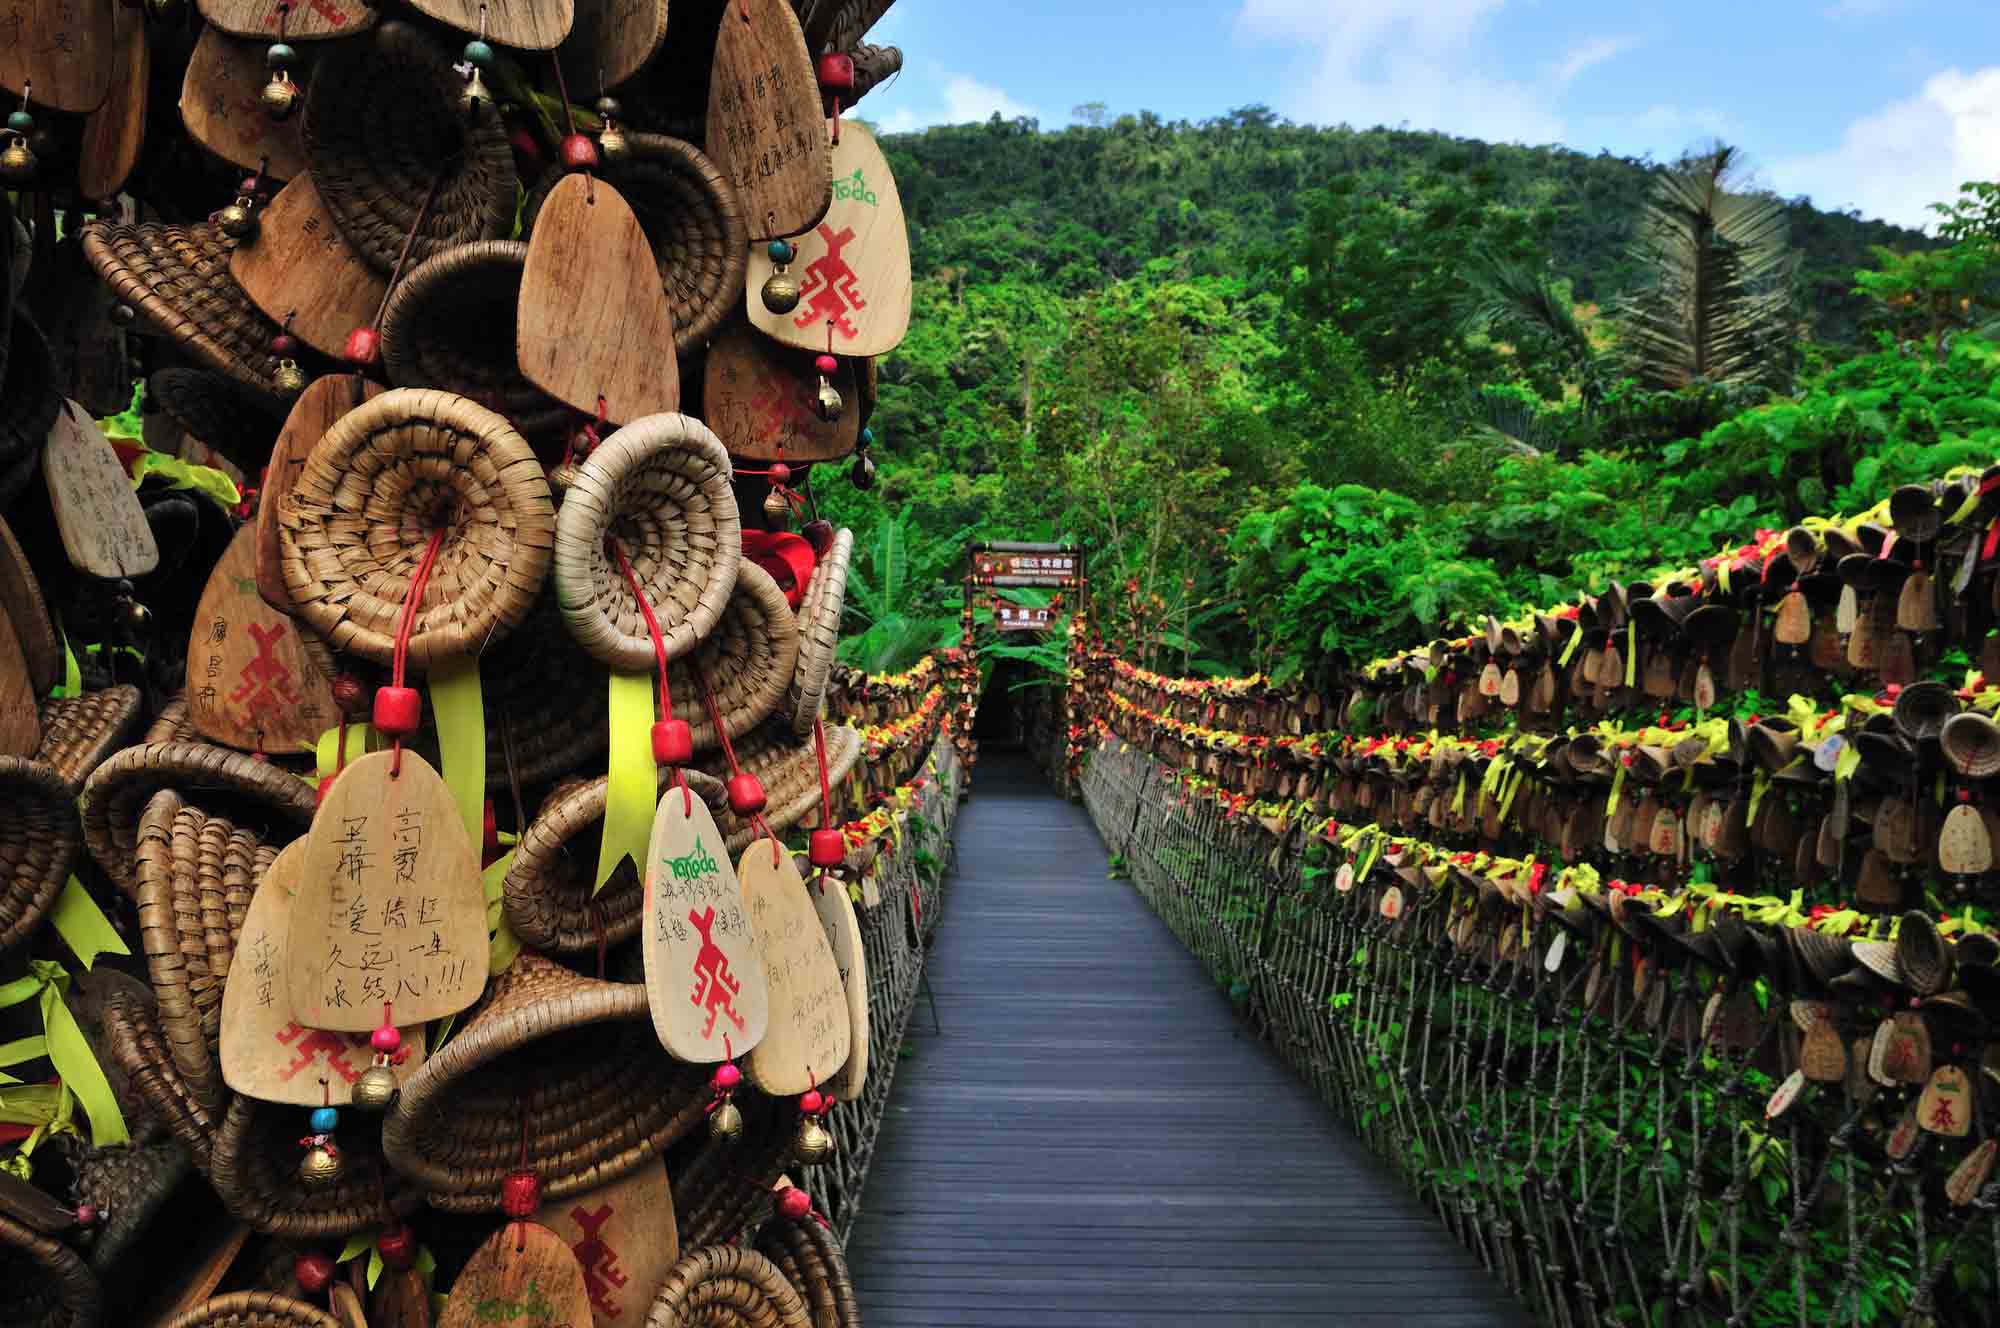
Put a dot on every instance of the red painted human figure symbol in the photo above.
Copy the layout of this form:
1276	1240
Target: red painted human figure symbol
781	406
266	684
307	1044
830	293
1941	1116
713	986
598	1260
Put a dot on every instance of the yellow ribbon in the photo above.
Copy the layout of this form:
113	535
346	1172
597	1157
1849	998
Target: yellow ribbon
505	945
461	725
83	926
630	800
1631	651
67	1049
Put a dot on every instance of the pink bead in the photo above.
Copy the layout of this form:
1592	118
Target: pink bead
364	347
520	1194
827	366
579	153
836	71
386	1040
726	1078
795	1204
780	474
284	346
812	1102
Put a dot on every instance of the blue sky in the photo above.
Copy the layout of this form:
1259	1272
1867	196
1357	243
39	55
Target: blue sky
1878	105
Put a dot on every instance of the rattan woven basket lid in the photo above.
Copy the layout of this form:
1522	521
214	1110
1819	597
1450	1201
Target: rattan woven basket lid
568	1061
362	510
176	279
692	220
218	410
789	771
810	1257
382	132
819	631
129	1186
43	1282
659	487
547	709
450	324
253	1309
80	732
28	400
547	890
40	838
139	1049
254	1169
727	1286
118	791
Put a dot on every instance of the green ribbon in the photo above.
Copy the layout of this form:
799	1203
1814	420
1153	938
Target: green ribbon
64	1044
72	683
505	945
186	475
461	725
631	797
83	926
1631	652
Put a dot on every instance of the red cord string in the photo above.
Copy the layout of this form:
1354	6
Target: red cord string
412	601
659	654
757	822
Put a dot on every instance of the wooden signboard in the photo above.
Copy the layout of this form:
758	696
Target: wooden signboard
624	1236
809	1034
312	20
325	400
843	937
115	133
21	602
526	25
221	108
762	398
390	913
20	725
266	1054
523	1274
610	41
1020	618
593	314
299	266
401	1300
103	528
853	267
766	128
66	48
705	982
250	682
1048	569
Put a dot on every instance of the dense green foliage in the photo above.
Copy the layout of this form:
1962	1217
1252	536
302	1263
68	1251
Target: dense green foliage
1310	394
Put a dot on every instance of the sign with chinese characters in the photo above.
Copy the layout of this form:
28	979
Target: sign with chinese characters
267	1054
222	108
524	1274
389	916
762	398
624	1236
103	528
325	400
1051	569
809	1035
705	983
853	268
843	937
298	266
766	130
66	48
250	682
293	20
1020	618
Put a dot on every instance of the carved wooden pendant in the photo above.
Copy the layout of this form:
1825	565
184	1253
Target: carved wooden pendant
250	683
705	982
809	1034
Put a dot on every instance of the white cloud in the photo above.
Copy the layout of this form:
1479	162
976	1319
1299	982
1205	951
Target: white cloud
1587	55
1897	161
961	100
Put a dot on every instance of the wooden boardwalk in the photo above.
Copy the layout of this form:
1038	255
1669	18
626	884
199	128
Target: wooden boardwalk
1095	1141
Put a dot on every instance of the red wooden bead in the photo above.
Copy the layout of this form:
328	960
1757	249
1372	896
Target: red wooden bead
319	794
349	694
673	742
397	1246
386	1040
364	347
812	1102
87	1214
826	848
780	474
520	1194
398	711
746	794
819	534
312	1272
827	366
727	1077
795	1204
283	346
836	71
579	153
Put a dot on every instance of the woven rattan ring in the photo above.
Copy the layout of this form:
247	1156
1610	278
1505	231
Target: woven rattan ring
660	487
810	1257
254	1170
39	841
43	1282
382	134
789	772
450	324
80	732
570	1060
819	631
253	1309
137	1047
726	1286
361	513
693	221
747	661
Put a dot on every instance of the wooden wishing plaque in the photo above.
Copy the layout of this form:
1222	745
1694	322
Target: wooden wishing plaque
843	937
21	601
266	1054
115	133
593	316
299	266
525	1274
761	399
705	981
624	1236
20	726
401	1300
313	21
809	1035
103	528
67	49
766	128
325	400
389	911
610	41
250	682
527	25
221	108
853	267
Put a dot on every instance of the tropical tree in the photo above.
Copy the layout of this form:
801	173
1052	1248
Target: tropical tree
901	597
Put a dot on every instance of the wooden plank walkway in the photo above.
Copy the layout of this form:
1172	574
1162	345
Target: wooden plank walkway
1095	1141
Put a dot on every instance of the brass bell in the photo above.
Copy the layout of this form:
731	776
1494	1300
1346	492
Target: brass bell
777	512
238	220
133	616
862	473
123	314
475	101
280	96
288	378
829	401
17	163
781	292
320	1167
813	1144
375	1089
612	145
725	1123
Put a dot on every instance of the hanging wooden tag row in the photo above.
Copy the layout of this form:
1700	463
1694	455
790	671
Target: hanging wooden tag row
810	1033
705	981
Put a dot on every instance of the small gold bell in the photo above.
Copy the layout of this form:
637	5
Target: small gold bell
475	101
17	163
781	292
280	96
612	145
288	378
320	1167
133	616
829	401
725	1123
123	314
238	220
777	511
375	1089
813	1144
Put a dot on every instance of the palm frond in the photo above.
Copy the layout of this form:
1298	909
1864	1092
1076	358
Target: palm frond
1502	295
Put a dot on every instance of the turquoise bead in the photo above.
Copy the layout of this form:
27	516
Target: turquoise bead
280	55
867	438
325	1120
782	252
479	53
21	122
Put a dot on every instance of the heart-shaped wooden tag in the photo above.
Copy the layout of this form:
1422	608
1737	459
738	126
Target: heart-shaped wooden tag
221	106
103	528
809	1034
401	1300
325	400
250	682
390	915
766	128
21	601
299	267
705	982
524	1274
1823	1056
761	398
1946	1105
843	937
115	133
528	25
593	324
66	49
269	20
1964	848
624	1236
610	41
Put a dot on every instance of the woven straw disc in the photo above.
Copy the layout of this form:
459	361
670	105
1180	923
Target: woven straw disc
789	772
253	1309
254	1168
573	1058
748	661
128	1185
43	1282
547	709
811	1259
79	732
819	631
660	487
450	324
139	1050
726	1286
381	124
176	279
362	510
39	840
